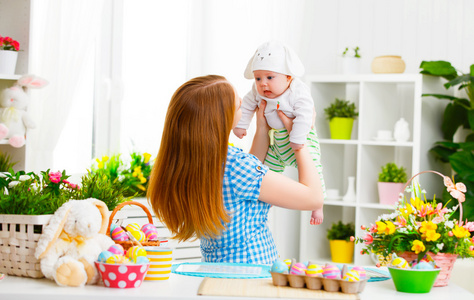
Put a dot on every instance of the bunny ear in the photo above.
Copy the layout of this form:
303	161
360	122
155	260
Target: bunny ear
52	231
293	63
104	211
32	81
248	73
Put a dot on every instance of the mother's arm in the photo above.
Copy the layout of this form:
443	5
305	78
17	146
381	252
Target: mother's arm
261	140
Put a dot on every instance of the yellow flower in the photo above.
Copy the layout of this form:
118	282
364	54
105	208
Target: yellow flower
427	225
105	158
406	211
418	246
432	235
387	227
460	232
142	179
141	187
100	164
417	203
146	157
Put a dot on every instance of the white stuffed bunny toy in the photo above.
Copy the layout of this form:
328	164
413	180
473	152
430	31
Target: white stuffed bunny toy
72	241
14	120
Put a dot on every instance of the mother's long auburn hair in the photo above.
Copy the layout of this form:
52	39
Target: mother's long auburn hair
185	189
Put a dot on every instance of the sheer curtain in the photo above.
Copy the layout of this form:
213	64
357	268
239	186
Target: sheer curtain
63	37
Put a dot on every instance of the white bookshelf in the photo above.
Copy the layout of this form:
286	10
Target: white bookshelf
381	100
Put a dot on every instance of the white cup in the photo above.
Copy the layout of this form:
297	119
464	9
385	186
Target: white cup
384	135
332	193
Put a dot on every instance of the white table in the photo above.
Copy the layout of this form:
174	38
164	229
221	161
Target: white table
185	287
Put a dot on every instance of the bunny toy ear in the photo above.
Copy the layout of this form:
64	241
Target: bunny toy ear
248	73
293	63
32	81
104	211
52	231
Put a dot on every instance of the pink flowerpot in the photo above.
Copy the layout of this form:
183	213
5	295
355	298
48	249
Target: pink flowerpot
389	192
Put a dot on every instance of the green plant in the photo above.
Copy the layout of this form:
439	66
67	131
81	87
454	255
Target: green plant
6	162
392	173
351	52
459	112
420	226
341	231
341	108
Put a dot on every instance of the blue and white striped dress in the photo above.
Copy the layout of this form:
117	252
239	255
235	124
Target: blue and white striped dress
247	238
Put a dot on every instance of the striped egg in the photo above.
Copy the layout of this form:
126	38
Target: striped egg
400	263
352	275
298	269
114	259
362	272
288	262
138	235
116	249
104	255
132	226
112	227
135	251
314	270
331	272
150	232
279	267
119	234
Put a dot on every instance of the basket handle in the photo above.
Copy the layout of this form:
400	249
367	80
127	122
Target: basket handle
119	207
443	176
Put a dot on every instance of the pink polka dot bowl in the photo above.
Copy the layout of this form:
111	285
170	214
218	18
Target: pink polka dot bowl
122	276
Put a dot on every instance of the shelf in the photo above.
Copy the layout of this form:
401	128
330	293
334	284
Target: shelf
9	77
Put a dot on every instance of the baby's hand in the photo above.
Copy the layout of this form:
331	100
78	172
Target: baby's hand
296	146
240	132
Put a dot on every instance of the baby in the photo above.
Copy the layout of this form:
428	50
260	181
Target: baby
274	67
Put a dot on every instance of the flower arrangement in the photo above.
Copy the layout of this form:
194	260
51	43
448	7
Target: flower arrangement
132	174
7	43
38	194
421	226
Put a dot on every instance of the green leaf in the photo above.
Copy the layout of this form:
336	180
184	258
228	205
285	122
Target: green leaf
442	153
438	68
454	116
458	80
442	96
462	163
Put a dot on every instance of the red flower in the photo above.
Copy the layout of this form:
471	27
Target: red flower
55	177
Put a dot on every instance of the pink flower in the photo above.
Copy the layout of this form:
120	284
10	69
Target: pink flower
352	239
450	233
368	239
55	177
373	228
363	227
469	226
456	190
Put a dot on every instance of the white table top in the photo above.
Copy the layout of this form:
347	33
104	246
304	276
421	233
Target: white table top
185	287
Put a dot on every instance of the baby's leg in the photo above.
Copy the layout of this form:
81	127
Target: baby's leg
317	217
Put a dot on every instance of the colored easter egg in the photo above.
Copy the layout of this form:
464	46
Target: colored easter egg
112	227
141	260
104	255
135	251
114	259
138	235
119	234
132	226
314	270
117	249
298	269
331	272
362	272
288	262
352	275
400	263
423	265
150	231
280	267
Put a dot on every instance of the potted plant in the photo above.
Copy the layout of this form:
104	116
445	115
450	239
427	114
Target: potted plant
339	236
341	115
419	226
8	55
6	163
458	114
351	60
390	184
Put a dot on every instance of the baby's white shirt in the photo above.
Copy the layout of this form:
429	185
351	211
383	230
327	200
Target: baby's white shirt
296	102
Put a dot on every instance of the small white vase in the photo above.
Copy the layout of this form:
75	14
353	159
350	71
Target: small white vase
350	65
350	195
401	132
8	60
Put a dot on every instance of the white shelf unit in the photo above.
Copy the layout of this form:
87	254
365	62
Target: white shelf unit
381	100
15	23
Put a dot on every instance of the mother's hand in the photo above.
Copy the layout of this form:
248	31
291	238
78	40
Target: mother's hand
261	120
288	122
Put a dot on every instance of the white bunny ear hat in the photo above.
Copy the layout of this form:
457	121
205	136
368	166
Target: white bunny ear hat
276	57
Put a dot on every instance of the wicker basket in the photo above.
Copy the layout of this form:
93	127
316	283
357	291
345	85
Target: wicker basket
19	235
127	244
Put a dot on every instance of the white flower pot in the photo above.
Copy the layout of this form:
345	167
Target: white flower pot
350	65
8	60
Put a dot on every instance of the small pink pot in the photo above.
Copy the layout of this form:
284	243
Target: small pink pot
389	192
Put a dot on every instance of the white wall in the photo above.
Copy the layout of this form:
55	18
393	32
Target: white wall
415	29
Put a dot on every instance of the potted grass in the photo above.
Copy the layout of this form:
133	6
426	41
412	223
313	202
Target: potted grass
340	243
341	115
391	181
